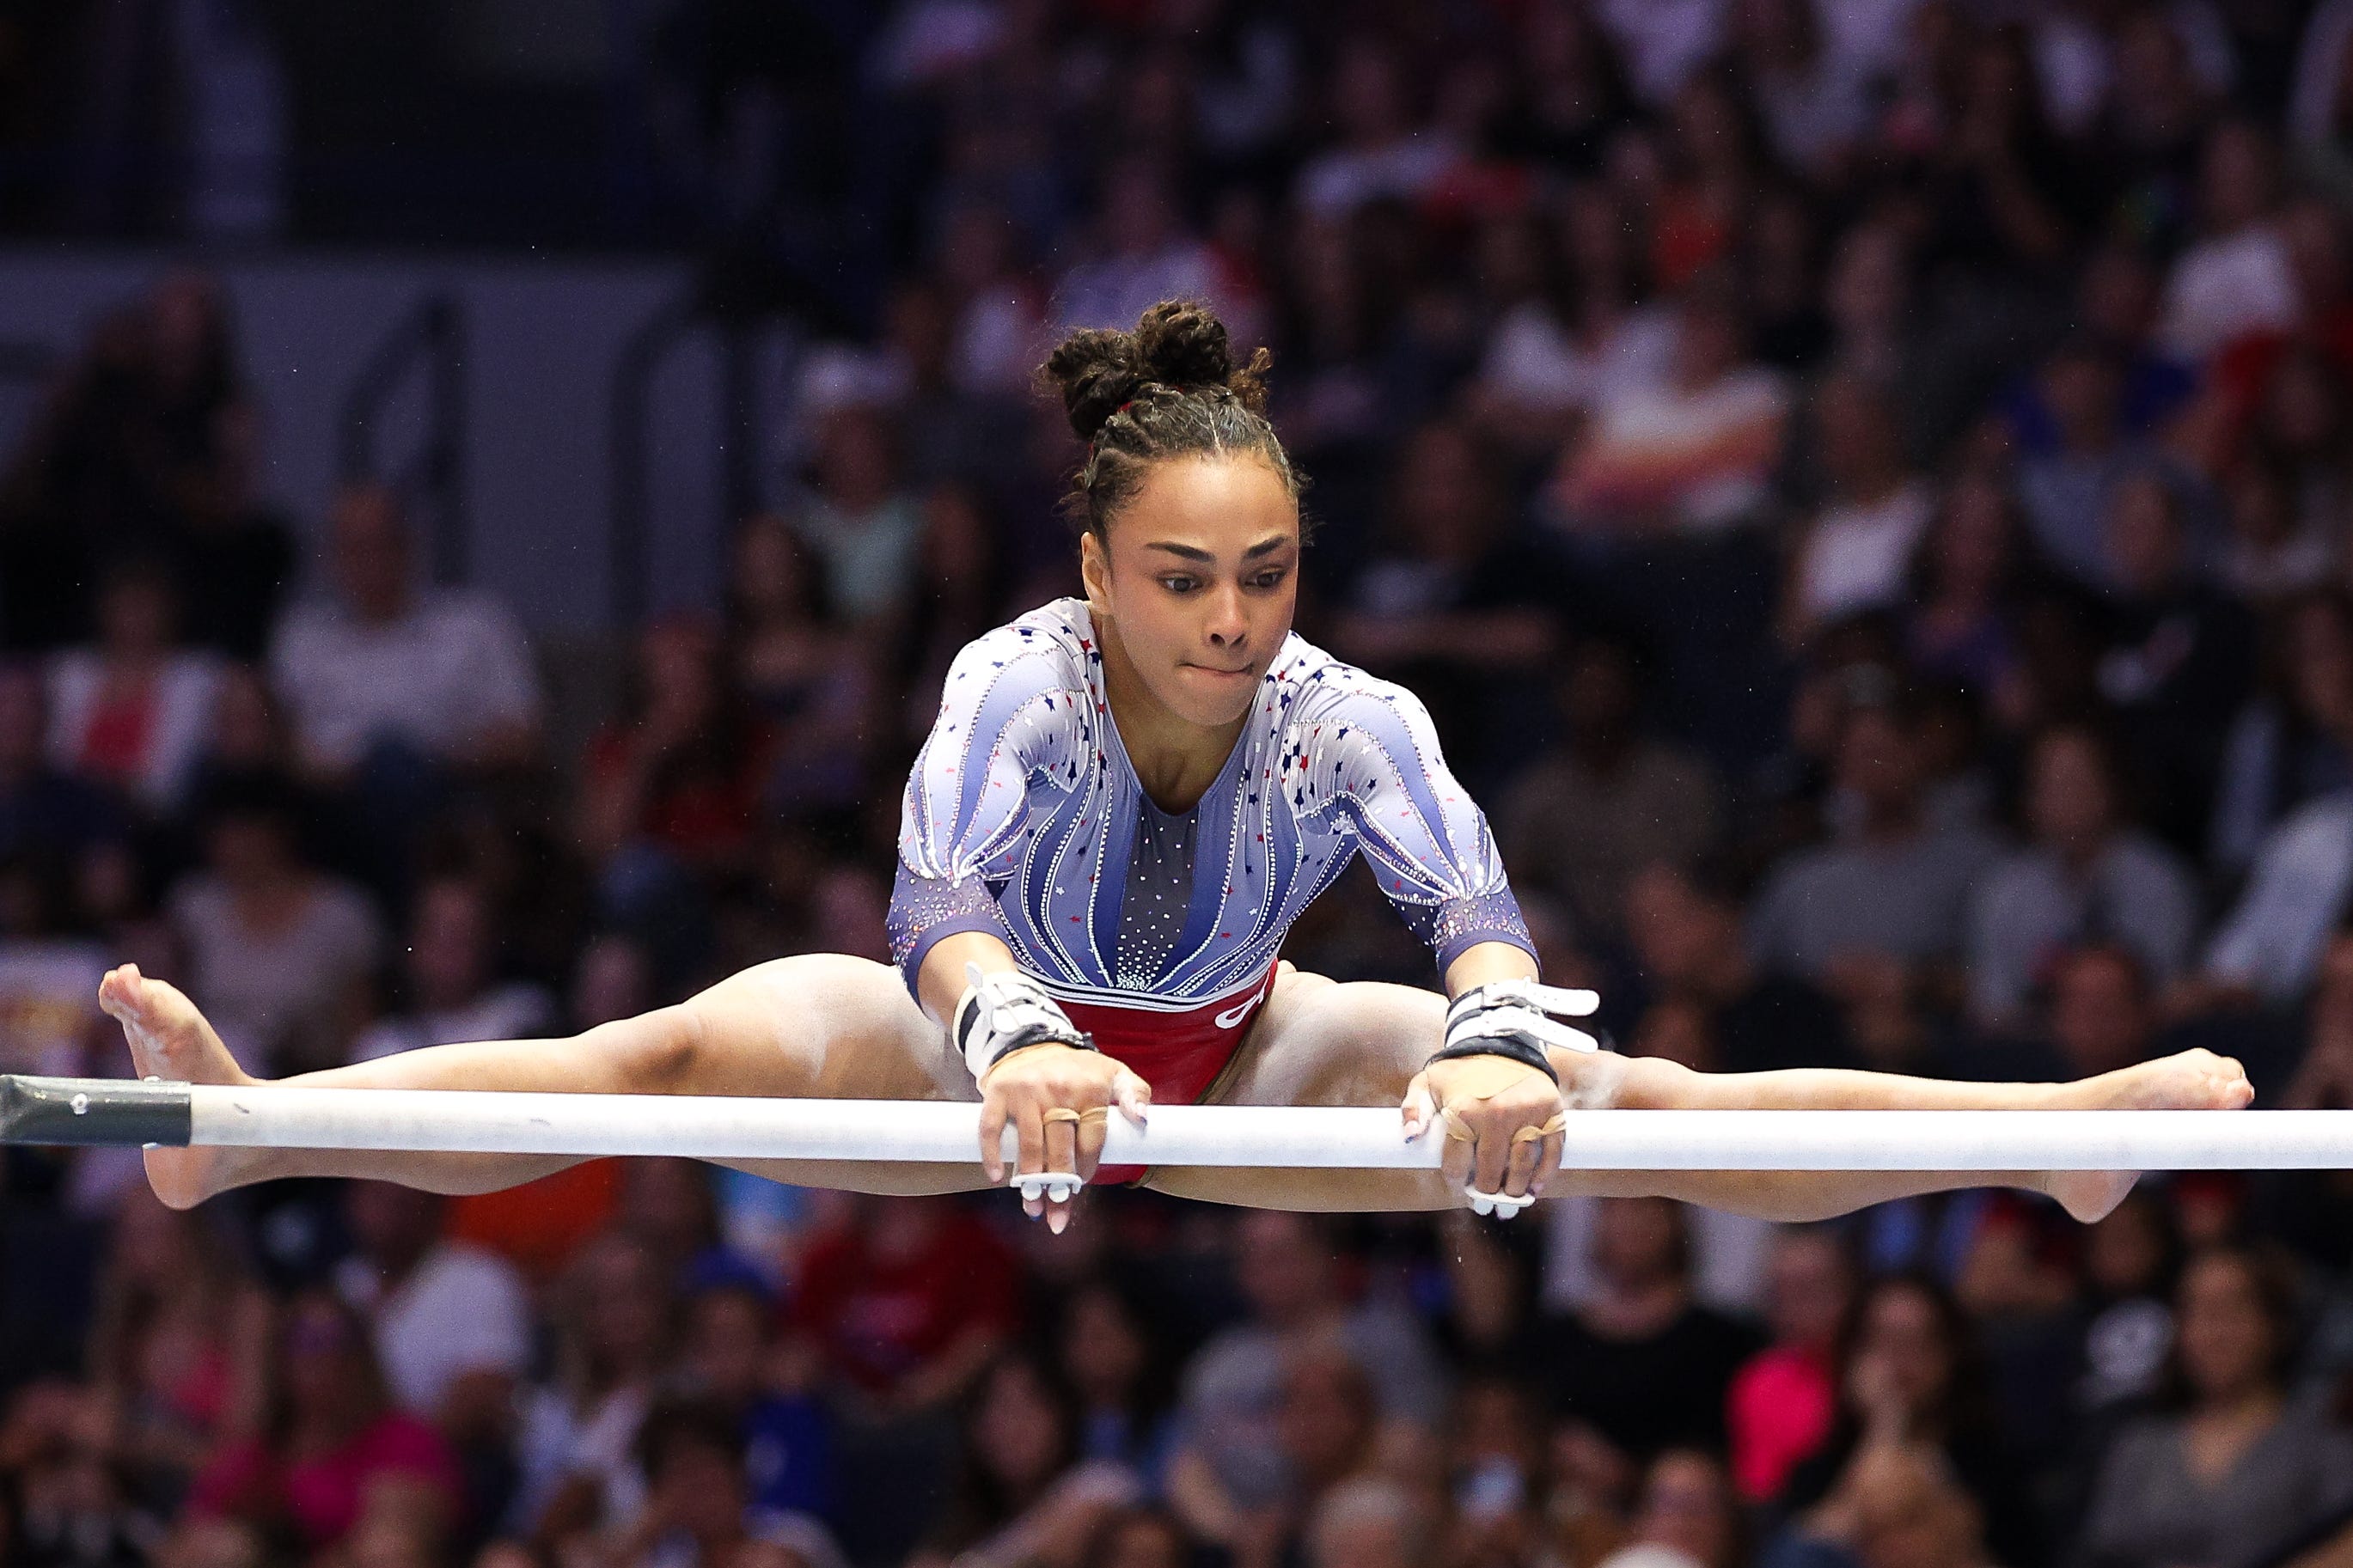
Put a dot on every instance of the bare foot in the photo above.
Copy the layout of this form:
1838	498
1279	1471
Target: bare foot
2187	1080
170	1039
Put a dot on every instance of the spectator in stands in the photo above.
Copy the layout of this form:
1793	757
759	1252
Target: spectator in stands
384	675
1453	604
2274	550
696	1515
616	1321
854	510
1900	1505
1140	253
2235	276
2131	1261
1687	1508
325	1433
732	1360
2235	1468
1685	928
161	1344
1144	1537
1368	1522
805	678
68	1505
1852	555
278	953
130	711
1693	456
1229	1460
452	992
233	557
2086	876
2179	658
1640	1360
2293	740
1112	1352
1962	624
1909	1376
1383	153
452	1325
1023	1496
906	1301
1610	799
45	812
1784	1399
2074	453
1891	898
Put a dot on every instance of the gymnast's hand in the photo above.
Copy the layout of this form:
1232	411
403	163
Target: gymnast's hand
1041	1075
1057	1098
1493	1092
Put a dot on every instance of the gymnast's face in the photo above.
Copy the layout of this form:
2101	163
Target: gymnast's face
1196	585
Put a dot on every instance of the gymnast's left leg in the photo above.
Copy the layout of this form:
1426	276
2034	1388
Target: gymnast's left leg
1320	1042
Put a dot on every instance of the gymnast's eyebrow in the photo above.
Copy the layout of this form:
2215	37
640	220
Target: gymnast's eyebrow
1192	553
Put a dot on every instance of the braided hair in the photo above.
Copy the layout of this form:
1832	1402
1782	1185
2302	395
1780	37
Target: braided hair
1168	389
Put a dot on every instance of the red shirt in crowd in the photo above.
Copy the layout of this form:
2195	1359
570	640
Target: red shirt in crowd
1778	1410
322	1494
883	1299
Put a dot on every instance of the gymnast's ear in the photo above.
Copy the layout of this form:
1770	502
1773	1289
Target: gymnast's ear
1094	571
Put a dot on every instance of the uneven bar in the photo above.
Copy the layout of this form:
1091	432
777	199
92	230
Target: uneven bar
116	1110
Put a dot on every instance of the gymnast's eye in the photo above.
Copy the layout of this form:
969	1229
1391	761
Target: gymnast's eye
1271	579
1177	583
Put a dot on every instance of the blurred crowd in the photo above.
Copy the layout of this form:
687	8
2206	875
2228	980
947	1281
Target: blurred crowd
1865	487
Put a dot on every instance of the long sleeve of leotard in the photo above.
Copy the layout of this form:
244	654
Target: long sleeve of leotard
1367	749
1010	717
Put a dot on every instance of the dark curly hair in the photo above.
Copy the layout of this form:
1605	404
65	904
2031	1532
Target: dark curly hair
1168	389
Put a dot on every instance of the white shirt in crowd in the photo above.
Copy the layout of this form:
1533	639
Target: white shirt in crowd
461	1309
2226	287
456	667
1857	553
2272	941
511	1011
184	692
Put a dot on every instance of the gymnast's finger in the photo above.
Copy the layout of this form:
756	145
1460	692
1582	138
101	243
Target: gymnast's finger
1520	1163
1133	1095
1092	1126
992	1137
1029	1123
1417	1108
1555	1143
1455	1150
1061	1129
1493	1151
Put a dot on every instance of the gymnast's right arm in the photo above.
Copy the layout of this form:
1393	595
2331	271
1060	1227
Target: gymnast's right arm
1007	719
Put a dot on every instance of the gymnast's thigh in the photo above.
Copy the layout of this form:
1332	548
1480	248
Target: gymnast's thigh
1324	1042
830	1026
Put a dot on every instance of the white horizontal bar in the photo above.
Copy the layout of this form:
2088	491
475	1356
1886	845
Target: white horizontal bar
837	1130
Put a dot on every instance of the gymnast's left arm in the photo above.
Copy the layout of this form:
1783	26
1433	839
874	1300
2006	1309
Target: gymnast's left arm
1490	1084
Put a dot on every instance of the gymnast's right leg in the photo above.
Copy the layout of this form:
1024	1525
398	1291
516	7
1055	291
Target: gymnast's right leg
822	1025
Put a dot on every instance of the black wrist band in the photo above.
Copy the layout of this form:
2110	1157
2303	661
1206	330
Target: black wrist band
1519	1050
1043	1035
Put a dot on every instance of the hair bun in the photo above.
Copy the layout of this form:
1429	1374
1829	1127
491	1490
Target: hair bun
1182	343
1097	370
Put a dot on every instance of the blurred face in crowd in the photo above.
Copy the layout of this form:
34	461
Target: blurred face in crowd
371	554
1878	760
2069	801
1374	1528
2320	657
727	1342
248	849
393	1225
1283	1267
2303	406
326	1365
771	577
612	980
1598	697
2126	1253
1367	98
2234	178
1446	508
2227	1342
2144	535
1687	1504
1708	344
1857	432
450	945
245	731
1682	935
1903	1332
2081	391
1326	1419
1103	1352
856	466
1017	1429
1910	1514
1638	1243
2100	1011
1140	1541
135	616
1677	1029
1810	1285
1197	581
24	719
625	1312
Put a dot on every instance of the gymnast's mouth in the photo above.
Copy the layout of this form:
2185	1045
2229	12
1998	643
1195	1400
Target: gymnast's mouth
1241	674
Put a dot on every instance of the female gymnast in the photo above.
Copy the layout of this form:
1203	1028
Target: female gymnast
1125	802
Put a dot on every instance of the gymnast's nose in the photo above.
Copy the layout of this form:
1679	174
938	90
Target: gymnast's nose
1229	624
